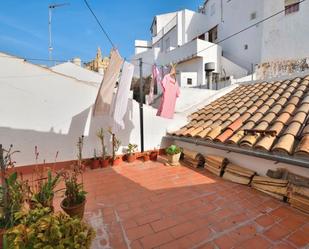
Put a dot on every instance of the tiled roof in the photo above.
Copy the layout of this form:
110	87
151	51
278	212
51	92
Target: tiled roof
281	106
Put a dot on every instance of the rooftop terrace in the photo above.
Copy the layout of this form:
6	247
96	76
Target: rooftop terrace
150	205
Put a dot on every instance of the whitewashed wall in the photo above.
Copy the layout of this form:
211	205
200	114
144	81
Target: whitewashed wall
39	107
285	36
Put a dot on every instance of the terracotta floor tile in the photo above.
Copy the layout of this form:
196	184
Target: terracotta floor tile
299	239
265	220
182	243
183	229
139	232
225	242
154	206
156	240
283	245
257	242
276	232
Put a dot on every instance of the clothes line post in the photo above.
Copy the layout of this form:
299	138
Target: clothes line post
141	102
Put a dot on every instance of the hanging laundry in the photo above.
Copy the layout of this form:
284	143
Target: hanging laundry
171	92
122	96
155	80
105	94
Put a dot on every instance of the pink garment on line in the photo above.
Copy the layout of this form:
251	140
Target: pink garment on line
156	78
171	92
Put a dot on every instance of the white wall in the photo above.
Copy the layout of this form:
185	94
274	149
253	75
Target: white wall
195	65
285	36
194	24
142	46
231	69
42	108
77	72
184	76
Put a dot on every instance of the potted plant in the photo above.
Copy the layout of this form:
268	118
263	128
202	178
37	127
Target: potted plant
104	156
116	145
95	160
41	228
173	154
146	156
130	152
74	197
43	190
80	146
12	191
154	155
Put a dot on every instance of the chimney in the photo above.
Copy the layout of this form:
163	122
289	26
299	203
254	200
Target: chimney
77	61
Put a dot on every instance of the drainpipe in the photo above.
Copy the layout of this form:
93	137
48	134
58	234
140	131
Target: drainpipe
260	154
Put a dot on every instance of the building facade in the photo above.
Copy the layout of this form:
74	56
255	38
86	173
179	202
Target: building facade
279	38
234	36
179	38
98	64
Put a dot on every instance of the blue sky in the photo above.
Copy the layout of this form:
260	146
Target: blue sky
24	26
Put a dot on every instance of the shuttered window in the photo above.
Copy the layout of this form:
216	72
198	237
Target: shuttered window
291	6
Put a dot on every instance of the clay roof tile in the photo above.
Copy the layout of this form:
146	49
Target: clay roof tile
283	118
290	108
285	144
275	109
294	100
269	117
300	117
303	147
256	117
293	129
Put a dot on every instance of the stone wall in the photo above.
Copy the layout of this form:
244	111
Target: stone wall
281	68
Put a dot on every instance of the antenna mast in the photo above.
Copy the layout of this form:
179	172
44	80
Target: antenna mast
50	8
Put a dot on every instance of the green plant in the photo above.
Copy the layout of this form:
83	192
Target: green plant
74	191
115	143
45	189
15	200
80	146
100	135
41	228
131	148
173	149
12	190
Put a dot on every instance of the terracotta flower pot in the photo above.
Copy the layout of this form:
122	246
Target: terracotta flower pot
146	157
153	156
131	158
74	211
173	159
117	161
105	162
95	164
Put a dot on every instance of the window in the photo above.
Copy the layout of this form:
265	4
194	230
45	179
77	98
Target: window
202	37
291	6
189	81
253	16
213	34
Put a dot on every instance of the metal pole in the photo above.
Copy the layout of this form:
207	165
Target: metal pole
141	102
50	48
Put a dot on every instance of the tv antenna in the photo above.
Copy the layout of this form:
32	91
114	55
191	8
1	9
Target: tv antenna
50	8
